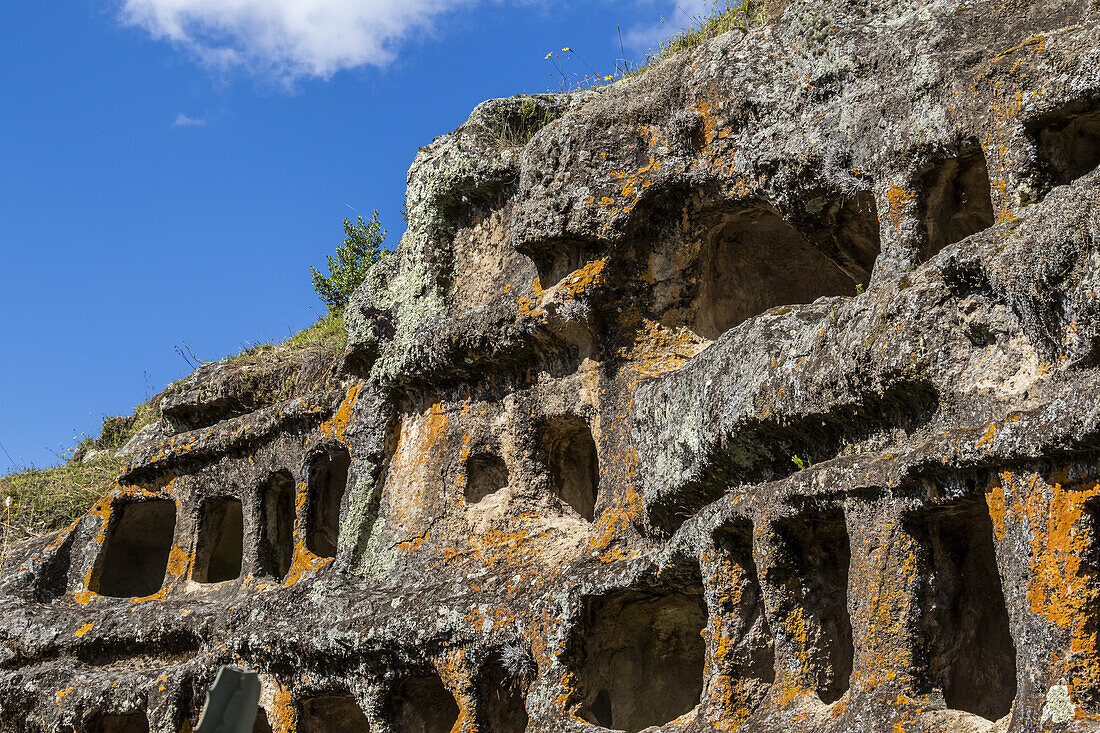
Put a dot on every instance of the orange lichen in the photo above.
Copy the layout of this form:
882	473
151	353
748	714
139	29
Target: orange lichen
1060	589
83	629
902	203
338	425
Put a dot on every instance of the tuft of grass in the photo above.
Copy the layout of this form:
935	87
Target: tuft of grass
37	501
724	16
326	334
526	120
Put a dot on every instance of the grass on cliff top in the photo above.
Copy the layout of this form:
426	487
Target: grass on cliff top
326	334
724	16
38	501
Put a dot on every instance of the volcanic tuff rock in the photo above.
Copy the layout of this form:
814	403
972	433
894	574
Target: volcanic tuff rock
756	392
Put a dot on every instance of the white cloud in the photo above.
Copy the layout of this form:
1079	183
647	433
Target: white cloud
288	39
183	120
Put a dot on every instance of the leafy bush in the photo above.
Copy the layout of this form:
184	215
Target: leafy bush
362	247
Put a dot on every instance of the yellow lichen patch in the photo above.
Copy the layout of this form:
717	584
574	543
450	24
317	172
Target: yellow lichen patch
84	629
305	564
179	562
659	349
901	204
280	711
336	427
62	693
1060	589
583	281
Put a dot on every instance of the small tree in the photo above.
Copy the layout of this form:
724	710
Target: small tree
362	247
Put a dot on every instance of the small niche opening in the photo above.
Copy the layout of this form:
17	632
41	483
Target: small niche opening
485	474
135	555
1069	145
328	480
221	541
277	502
423	705
746	650
755	260
852	222
573	461
816	570
970	655
262	724
129	723
954	202
502	701
332	712
643	658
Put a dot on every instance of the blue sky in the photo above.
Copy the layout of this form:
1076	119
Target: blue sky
170	169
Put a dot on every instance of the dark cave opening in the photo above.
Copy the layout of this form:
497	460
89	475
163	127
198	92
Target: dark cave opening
327	481
754	261
332	712
485	474
816	572
955	202
969	653
262	724
220	547
573	461
135	554
643	658
502	705
423	705
277	506
129	723
1069	145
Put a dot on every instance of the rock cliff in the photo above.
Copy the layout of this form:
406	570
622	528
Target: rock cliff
757	392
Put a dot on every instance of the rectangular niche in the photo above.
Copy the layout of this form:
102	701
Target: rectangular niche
817	557
755	260
423	705
573	460
643	658
739	627
332	712
135	554
277	508
501	702
129	723
220	546
327	480
1069	144
955	202
969	654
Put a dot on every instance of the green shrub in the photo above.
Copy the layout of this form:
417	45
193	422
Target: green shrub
362	247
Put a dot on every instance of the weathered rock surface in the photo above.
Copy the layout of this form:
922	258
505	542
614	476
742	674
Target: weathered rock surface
757	392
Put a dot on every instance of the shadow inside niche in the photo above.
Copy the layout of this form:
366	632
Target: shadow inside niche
327	480
129	723
423	705
754	261
134	557
332	712
955	202
969	654
813	570
220	547
1068	144
643	658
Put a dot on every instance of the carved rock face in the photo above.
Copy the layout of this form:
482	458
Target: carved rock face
757	392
